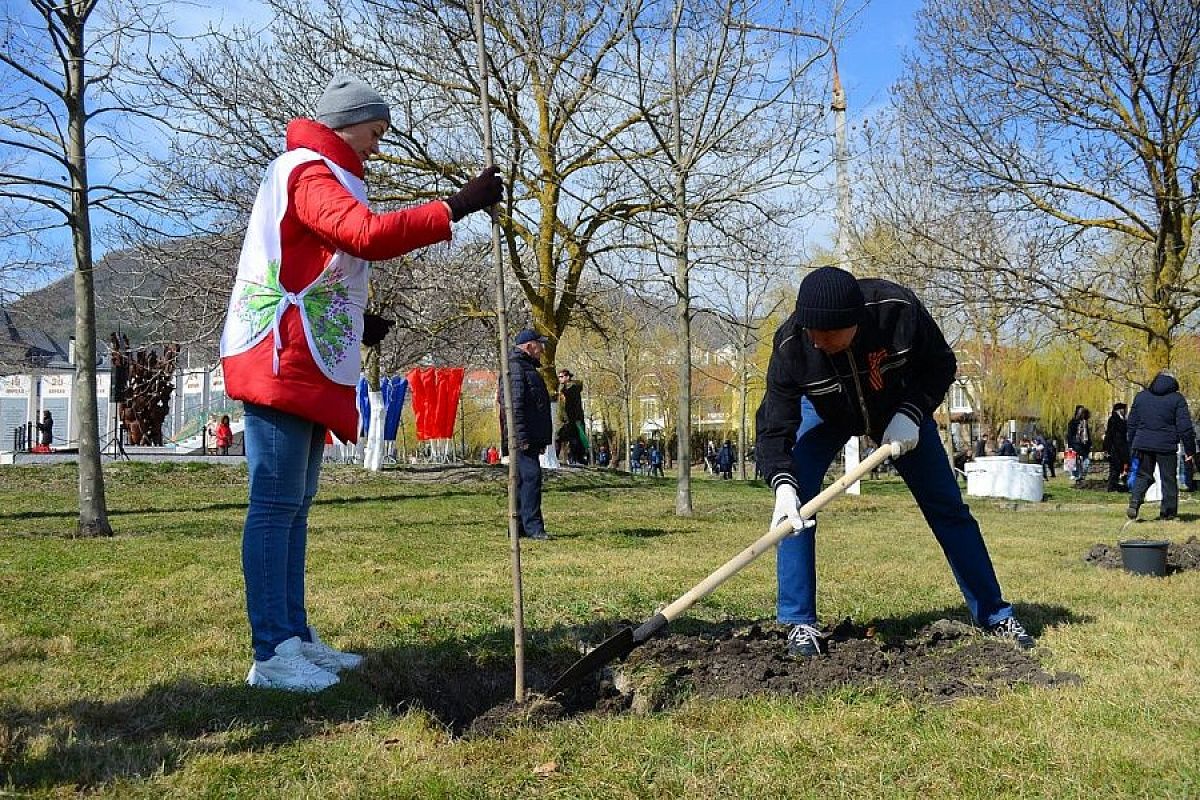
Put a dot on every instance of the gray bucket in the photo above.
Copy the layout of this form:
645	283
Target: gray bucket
1145	556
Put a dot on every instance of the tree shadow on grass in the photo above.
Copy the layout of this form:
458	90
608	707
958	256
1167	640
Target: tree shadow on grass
454	490
241	506
640	533
85	744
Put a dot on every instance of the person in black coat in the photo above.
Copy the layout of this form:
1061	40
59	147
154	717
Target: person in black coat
863	356
1158	422
1116	447
571	434
531	413
46	429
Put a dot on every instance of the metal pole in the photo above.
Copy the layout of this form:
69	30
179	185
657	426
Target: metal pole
506	387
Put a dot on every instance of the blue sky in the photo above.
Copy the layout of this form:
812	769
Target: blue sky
870	58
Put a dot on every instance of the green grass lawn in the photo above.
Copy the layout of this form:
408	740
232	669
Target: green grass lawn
122	660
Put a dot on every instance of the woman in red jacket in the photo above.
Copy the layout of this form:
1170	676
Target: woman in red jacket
290	350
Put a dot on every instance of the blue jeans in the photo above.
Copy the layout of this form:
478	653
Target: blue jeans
1083	463
529	492
927	472
283	454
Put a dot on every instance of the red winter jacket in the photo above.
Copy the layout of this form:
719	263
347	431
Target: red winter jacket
322	218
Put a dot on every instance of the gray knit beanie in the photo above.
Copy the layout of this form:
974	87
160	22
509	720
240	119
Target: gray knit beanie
829	299
349	101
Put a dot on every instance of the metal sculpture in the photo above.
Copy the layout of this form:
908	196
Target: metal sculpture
142	384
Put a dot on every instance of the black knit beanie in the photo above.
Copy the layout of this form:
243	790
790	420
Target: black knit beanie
829	299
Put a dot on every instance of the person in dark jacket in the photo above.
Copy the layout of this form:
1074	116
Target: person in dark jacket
864	357
1158	423
1006	447
1049	454
531	415
46	429
572	434
1079	439
725	459
1116	447
981	446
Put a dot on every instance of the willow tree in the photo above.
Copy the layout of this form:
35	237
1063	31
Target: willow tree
1081	119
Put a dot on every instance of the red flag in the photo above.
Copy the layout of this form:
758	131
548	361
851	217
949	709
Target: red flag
423	388
449	389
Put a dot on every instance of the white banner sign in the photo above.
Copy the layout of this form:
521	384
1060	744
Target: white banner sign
56	385
15	385
216	380
193	383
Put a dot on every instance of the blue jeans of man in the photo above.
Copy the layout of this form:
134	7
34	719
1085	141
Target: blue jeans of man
529	492
927	472
283	454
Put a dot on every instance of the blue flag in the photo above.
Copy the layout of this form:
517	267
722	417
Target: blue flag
393	405
364	407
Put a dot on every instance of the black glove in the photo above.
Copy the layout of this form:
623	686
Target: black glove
483	190
375	328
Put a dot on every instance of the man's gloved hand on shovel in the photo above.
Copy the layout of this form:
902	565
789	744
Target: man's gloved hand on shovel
787	507
902	431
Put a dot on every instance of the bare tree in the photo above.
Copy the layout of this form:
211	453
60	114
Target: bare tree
60	120
1079	119
725	115
746	294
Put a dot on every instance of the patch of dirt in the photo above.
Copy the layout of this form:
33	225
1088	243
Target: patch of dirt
1180	556
942	661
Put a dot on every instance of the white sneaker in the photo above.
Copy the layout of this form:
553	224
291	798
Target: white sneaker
289	670
326	657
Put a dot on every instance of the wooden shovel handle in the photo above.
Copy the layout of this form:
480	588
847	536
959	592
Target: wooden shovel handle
780	531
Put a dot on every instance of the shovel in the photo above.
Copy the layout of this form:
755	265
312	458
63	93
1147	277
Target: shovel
622	643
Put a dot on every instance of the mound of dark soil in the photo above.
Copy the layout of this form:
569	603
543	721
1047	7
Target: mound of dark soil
944	660
1180	556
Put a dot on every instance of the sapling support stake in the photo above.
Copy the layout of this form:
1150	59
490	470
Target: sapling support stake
505	385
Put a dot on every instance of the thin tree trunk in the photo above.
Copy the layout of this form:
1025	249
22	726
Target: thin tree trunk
93	508
743	377
683	295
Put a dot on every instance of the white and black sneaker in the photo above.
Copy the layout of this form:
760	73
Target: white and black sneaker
290	671
805	641
1010	628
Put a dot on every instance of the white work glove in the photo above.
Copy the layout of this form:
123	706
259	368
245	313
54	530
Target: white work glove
787	506
902	431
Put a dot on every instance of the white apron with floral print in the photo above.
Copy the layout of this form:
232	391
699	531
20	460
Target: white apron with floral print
331	307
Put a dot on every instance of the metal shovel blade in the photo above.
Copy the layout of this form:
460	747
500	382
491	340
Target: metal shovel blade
616	646
619	645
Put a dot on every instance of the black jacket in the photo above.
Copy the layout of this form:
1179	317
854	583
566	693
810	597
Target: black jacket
899	362
1079	435
1159	419
531	403
1116	438
572	394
